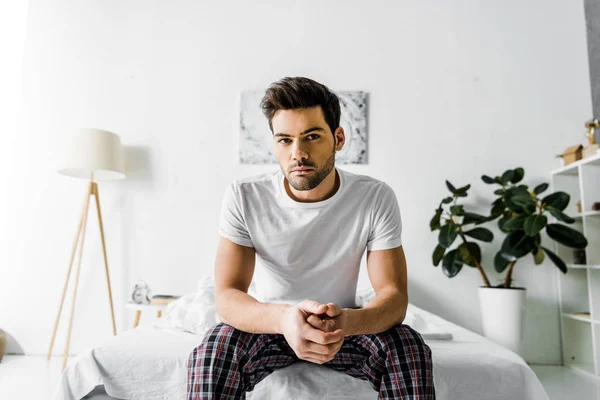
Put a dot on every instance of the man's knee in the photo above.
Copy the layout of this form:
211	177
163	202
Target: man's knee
404	338
218	333
224	335
221	338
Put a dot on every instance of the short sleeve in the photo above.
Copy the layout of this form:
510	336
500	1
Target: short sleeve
232	224
386	223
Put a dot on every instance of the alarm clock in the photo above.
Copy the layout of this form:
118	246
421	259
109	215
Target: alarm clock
141	293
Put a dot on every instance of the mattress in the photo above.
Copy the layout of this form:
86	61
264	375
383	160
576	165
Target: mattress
151	363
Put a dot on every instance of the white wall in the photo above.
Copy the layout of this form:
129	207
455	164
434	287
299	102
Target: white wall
13	28
456	90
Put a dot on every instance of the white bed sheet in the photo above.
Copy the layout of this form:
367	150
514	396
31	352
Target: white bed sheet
151	363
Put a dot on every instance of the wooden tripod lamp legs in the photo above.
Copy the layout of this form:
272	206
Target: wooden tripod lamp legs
66	353
112	310
83	216
79	238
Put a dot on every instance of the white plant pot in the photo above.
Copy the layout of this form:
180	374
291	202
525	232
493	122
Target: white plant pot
502	314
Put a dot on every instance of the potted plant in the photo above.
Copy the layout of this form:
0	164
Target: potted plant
522	214
451	220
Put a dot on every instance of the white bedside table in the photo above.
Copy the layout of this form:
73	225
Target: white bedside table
145	307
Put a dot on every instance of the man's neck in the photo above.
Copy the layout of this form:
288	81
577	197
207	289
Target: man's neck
326	189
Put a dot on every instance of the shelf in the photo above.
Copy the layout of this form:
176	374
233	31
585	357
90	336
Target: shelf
582	266
585	214
572	169
579	289
142	307
579	318
587	369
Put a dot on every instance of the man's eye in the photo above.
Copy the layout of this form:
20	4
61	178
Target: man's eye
284	140
312	137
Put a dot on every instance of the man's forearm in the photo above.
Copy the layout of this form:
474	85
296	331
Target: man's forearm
387	309
244	312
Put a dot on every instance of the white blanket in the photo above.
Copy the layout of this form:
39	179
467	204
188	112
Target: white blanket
151	363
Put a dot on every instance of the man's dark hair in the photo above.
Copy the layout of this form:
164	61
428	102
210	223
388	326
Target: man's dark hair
291	93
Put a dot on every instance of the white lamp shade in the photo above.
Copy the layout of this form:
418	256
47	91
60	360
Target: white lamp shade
97	152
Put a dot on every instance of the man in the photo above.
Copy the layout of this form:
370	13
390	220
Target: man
309	226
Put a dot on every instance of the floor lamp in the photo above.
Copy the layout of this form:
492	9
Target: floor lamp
95	155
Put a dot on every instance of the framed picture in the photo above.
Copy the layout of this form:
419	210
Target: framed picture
256	140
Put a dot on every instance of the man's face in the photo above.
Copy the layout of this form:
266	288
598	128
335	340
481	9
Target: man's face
304	146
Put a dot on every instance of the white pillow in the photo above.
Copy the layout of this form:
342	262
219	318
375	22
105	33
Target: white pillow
194	313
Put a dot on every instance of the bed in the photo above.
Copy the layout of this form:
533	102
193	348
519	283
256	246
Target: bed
150	362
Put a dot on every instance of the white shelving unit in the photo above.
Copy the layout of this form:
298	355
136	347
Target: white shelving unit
579	288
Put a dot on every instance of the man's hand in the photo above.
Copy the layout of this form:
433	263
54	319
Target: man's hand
310	343
331	320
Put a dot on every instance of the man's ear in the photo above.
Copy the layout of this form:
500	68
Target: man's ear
336	137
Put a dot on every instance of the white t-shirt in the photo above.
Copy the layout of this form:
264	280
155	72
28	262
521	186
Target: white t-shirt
310	250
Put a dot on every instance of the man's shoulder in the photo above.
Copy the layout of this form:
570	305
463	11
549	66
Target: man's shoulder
257	183
358	182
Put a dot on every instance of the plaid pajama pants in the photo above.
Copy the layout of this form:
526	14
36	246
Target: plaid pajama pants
230	362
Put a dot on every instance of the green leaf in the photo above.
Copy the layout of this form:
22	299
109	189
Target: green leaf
463	190
566	236
438	254
538	256
452	263
523	201
498	209
556	260
483	234
534	223
451	187
518	190
448	200
507	176
457	210
434	224
499	192
487	179
512	206
470	218
500	263
502	222
559	215
514	223
469	252
498	180
516	245
520	204
557	200
518	175
540	188
447	235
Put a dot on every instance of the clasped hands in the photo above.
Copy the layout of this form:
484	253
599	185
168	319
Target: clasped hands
315	331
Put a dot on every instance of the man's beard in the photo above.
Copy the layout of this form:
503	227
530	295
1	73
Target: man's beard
314	178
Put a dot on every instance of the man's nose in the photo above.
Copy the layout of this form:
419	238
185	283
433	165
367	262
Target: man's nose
298	152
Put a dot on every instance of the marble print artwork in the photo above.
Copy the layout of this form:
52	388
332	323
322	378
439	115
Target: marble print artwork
256	140
353	107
